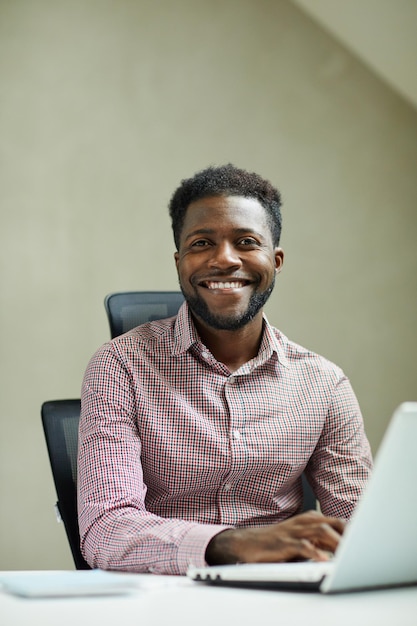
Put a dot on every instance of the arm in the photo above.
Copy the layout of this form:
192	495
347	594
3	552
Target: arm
117	532
342	462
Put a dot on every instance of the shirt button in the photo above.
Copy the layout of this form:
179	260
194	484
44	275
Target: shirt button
227	487
231	380
237	434
205	355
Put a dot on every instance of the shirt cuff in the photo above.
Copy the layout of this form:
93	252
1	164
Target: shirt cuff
192	550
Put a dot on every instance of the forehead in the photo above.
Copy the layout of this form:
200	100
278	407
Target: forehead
221	211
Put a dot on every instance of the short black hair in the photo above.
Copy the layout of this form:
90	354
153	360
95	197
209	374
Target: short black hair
226	180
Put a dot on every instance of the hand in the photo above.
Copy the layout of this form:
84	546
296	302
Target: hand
308	535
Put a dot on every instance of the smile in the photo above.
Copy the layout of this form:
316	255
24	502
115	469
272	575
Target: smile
225	285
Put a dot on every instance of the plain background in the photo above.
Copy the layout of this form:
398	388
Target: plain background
104	107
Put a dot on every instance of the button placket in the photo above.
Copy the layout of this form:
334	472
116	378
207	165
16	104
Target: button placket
238	450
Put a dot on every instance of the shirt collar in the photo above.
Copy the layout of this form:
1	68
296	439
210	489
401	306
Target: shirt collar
185	333
185	336
271	345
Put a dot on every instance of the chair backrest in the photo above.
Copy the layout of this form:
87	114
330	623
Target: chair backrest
60	420
309	499
128	309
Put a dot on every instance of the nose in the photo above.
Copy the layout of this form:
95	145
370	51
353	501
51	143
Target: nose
225	256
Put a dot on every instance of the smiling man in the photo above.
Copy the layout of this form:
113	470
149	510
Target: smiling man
195	430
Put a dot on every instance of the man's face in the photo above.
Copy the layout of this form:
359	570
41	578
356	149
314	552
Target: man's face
226	261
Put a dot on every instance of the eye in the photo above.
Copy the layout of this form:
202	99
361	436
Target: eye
200	243
248	241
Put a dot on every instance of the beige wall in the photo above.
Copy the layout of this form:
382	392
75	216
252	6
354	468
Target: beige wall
105	106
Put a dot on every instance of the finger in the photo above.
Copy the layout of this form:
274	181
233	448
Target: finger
313	517
302	549
337	523
313	553
326	529
324	537
323	532
288	549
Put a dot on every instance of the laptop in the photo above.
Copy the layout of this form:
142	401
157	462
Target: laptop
379	545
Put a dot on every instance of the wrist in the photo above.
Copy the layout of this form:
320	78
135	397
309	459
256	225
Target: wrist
220	550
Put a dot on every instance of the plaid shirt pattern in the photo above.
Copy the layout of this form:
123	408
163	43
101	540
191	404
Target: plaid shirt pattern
173	447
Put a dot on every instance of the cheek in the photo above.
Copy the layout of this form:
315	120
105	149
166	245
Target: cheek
184	269
268	265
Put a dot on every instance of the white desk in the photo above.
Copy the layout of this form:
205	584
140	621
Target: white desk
172	601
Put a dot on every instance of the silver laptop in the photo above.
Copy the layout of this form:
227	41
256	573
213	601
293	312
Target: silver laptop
379	545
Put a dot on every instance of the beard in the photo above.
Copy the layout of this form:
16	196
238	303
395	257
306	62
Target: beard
199	308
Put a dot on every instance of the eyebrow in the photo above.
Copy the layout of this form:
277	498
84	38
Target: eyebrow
211	231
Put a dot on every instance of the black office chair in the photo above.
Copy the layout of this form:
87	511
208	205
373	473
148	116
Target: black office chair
60	420
128	309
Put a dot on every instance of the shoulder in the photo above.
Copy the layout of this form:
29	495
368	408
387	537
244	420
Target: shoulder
300	358
151	333
151	338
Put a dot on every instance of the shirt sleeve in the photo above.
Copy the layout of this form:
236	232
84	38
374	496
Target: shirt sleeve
116	530
342	461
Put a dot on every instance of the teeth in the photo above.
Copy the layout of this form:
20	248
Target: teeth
226	285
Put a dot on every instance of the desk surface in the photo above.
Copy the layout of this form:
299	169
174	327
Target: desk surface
171	600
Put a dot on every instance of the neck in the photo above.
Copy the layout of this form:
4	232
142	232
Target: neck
233	348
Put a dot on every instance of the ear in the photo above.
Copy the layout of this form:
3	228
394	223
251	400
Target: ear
177	258
279	259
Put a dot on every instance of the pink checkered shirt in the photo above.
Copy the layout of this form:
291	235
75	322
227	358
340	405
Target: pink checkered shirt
174	448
